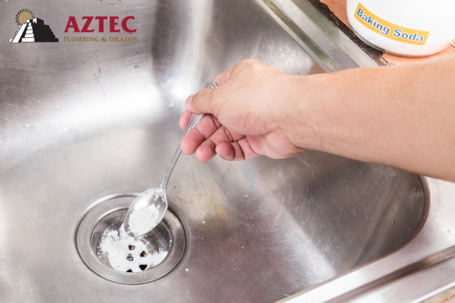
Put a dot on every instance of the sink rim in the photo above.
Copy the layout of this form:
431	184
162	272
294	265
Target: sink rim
412	258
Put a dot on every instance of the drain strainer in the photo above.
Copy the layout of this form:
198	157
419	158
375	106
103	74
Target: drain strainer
167	241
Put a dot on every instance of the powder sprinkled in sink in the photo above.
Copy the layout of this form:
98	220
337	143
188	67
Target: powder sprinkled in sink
128	254
143	220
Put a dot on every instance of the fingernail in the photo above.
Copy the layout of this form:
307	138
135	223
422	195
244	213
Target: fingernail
188	102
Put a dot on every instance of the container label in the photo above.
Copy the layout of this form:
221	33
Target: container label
390	30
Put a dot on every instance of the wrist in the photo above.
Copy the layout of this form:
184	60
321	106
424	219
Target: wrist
301	113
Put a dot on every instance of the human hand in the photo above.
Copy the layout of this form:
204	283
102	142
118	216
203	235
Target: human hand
245	115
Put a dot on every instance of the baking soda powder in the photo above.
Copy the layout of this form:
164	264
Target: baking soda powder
143	220
125	253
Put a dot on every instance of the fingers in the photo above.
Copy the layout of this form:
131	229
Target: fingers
203	130
203	101
230	151
200	103
248	148
208	149
236	151
229	145
209	138
184	119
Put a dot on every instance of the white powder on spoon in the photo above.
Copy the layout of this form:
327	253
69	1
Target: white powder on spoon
143	220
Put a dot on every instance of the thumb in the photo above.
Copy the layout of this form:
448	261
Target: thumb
200	103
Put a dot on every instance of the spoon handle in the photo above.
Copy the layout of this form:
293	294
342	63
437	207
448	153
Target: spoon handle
192	123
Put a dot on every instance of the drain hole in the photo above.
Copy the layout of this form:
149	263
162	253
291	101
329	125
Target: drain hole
104	246
125	253
143	267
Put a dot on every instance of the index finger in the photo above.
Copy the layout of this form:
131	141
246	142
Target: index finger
184	119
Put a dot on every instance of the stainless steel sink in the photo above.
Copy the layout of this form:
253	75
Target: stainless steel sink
80	121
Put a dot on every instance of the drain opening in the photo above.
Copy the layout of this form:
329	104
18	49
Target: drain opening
143	267
110	253
122	252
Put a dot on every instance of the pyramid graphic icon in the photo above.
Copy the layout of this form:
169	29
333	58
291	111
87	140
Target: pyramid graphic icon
34	30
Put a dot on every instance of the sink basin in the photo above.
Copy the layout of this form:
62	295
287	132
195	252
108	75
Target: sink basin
80	121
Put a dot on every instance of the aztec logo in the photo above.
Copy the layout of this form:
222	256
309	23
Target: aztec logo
31	29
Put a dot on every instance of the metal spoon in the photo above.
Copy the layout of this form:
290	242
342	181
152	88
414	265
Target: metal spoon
153	201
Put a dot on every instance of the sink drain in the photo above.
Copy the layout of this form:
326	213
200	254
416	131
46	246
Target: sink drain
165	243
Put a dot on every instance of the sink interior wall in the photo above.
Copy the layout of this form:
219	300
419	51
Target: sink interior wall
79	121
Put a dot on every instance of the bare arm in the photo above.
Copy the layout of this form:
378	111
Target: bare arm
397	116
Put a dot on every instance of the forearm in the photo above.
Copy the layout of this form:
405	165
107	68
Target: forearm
397	116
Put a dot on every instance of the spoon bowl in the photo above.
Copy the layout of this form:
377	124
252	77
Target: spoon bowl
153	199
149	208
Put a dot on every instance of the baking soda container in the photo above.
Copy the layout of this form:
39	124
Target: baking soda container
411	28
